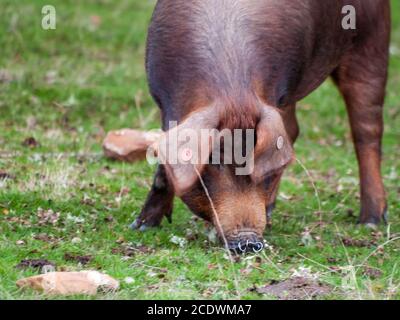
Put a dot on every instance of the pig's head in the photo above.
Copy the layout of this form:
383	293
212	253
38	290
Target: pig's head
233	196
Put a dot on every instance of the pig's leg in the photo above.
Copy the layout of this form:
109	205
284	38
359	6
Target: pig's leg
361	79
293	130
159	203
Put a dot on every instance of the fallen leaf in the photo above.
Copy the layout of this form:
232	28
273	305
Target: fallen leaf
30	142
34	264
83	260
128	250
44	237
6	176
109	218
350	242
373	273
124	191
47	216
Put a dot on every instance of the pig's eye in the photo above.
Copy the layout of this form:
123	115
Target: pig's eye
268	181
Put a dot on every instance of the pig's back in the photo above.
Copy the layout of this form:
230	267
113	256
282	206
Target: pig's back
200	49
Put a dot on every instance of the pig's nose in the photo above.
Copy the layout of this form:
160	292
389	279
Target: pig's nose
246	244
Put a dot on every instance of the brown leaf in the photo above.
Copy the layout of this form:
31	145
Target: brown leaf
47	216
44	237
83	260
130	251
34	264
361	243
5	175
373	273
30	142
124	191
109	218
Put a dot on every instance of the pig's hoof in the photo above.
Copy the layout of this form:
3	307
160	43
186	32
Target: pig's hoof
134	225
372	221
139	225
371	226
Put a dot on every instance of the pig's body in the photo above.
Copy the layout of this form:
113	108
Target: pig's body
279	50
243	53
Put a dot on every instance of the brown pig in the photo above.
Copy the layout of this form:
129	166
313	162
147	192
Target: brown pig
243	64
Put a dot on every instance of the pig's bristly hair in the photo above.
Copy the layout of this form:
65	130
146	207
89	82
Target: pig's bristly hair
239	111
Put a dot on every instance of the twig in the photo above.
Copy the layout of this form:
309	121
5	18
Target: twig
216	219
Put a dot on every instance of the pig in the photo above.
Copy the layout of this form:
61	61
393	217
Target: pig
244	64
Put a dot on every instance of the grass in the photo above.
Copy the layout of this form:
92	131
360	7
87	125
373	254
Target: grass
71	85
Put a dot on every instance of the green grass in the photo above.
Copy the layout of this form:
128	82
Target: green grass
71	85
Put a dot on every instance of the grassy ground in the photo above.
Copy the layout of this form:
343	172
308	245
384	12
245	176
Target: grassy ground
67	87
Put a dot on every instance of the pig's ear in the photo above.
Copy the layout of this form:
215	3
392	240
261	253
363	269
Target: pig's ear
186	148
273	148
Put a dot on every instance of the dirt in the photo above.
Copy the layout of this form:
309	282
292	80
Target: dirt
46	238
34	264
297	288
130	251
30	142
19	221
83	260
372	273
360	243
5	175
47	217
109	218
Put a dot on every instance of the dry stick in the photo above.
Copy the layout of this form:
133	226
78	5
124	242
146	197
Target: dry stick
317	263
392	289
343	200
272	263
312	183
139	111
353	271
220	230
315	190
377	248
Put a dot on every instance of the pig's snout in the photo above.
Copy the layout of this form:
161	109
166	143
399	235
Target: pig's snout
246	242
